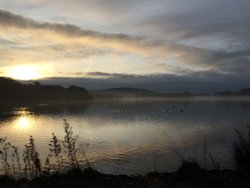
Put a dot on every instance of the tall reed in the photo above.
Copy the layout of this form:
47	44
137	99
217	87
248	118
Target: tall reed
69	144
31	159
55	150
10	160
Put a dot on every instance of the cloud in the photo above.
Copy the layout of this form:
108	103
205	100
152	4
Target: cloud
195	82
10	19
107	75
57	38
28	40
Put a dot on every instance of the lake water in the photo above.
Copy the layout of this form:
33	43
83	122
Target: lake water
134	136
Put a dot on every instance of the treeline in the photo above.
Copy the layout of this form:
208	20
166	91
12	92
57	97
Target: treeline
243	92
12	90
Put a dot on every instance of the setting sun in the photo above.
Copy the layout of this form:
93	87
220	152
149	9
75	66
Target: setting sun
25	72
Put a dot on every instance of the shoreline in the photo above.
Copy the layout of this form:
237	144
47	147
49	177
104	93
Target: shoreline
188	175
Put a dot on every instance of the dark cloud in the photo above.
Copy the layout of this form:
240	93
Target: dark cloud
206	21
191	18
195	82
108	75
9	19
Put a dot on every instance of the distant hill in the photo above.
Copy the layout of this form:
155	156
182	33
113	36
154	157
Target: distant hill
243	92
12	90
128	90
135	92
122	92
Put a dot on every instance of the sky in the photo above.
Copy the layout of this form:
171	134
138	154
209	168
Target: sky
164	45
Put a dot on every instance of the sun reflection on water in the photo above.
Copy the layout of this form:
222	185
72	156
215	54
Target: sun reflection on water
23	123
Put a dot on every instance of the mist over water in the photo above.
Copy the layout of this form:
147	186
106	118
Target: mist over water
134	136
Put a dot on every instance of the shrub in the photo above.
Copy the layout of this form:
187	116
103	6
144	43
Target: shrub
241	151
191	172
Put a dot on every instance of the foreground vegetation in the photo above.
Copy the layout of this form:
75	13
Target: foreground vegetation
188	175
27	170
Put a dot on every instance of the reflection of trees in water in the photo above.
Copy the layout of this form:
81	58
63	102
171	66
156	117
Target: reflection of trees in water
12	111
5	116
59	108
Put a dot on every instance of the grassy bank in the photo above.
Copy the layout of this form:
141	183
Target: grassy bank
188	175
